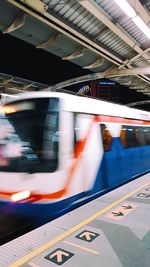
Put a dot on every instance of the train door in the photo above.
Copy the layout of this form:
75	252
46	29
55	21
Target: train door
88	137
69	163
112	159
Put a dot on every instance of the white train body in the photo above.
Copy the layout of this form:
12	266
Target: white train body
55	151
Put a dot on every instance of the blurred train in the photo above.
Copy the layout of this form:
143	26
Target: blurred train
59	149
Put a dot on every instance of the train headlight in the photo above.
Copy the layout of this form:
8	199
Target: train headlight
20	196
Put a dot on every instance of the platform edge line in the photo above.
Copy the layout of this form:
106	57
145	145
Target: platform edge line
73	229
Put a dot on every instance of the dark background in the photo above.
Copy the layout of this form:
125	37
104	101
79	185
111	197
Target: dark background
24	60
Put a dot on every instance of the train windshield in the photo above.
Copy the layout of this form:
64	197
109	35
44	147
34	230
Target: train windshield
29	136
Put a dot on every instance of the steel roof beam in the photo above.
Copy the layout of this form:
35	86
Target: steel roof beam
75	35
97	12
12	85
76	80
140	10
129	61
50	41
79	52
17	23
139	103
67	31
99	75
5	82
123	72
97	63
36	4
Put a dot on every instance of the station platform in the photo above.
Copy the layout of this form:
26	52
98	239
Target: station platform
112	230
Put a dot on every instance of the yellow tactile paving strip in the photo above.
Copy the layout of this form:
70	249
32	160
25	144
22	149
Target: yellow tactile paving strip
74	229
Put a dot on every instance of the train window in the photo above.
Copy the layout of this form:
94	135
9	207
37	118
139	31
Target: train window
75	128
123	136
51	139
132	136
146	131
107	138
37	132
140	136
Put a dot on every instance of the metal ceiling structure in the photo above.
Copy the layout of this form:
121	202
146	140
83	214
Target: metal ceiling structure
94	34
13	85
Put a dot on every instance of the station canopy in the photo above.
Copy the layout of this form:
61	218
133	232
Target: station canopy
111	38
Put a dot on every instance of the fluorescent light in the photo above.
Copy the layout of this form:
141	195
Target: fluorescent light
126	7
130	12
142	26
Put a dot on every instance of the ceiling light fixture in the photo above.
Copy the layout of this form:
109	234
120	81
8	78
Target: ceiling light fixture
130	12
126	7
142	26
93	8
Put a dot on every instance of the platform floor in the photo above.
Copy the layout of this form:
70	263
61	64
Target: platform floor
111	231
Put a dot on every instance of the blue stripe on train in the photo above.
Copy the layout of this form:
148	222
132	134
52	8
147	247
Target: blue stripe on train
117	167
121	164
41	212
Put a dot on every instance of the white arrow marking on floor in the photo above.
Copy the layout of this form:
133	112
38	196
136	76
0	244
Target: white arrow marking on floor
120	212
147	189
59	255
87	235
143	195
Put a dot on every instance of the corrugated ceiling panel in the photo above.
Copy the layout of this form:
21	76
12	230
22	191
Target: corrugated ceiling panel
74	13
110	40
134	31
77	15
63	7
117	15
56	4
140	62
110	7
67	10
